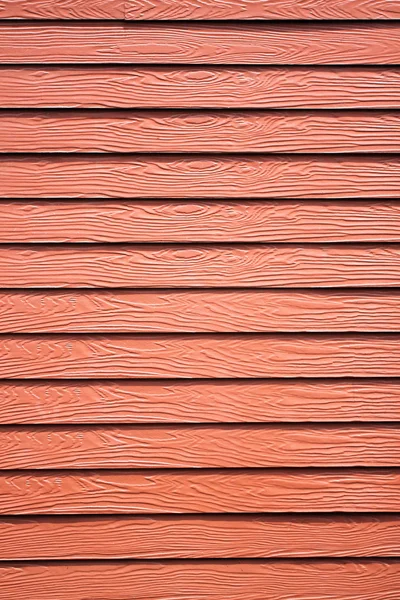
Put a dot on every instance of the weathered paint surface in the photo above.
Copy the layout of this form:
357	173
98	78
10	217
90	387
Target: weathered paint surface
199	299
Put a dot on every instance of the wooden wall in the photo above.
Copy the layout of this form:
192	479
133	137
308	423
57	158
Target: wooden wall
200	299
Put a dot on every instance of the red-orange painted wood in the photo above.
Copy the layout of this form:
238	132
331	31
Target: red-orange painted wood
68	9
143	176
201	43
195	266
197	401
204	536
192	491
259	9
194	310
199	9
245	580
297	132
200	221
199	446
188	177
201	355
199	87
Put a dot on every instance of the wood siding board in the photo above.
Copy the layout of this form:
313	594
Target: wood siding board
210	176
211	406
205	446
201	43
199	9
63	9
195	266
200	221
246	580
199	356
166	131
127	311
199	537
194	491
196	401
199	87
266	9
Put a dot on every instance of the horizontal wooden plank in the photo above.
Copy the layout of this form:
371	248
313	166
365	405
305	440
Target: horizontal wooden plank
166	131
199	87
209	536
69	9
242	580
127	311
201	355
200	43
200	221
165	266
192	491
199	9
180	401
194	446
256	9
210	176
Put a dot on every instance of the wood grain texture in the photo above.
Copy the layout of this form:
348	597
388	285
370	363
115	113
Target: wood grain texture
200	221
199	87
264	9
199	9
129	311
193	491
200	43
245	580
180	401
199	446
174	176
63	9
205	536
193	131
196	266
199	356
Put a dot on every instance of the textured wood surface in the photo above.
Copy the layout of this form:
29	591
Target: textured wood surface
298	132
158	266
128	311
77	9
200	43
256	9
246	580
200	221
180	401
142	176
205	536
191	491
201	355
204	446
199	9
199	87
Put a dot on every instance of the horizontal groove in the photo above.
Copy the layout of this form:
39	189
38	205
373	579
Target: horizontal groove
201	561
229	516
202	471
251	425
207	335
160	110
